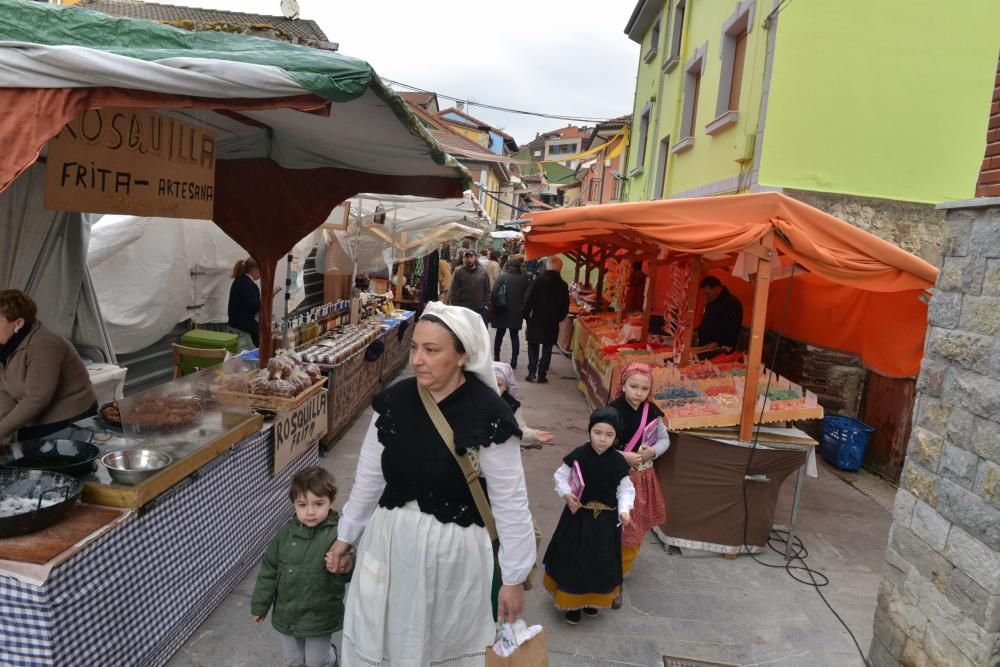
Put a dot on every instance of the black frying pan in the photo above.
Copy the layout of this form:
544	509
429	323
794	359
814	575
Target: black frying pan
33	488
68	456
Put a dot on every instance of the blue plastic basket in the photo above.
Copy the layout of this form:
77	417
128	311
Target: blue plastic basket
844	441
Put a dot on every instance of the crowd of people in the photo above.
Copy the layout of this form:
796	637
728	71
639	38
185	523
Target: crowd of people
433	565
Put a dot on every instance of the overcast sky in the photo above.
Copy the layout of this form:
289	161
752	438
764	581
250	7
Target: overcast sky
568	58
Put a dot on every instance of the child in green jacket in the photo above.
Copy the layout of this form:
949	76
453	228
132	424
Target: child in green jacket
306	600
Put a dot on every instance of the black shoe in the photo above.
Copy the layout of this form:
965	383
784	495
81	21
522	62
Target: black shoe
542	379
590	611
530	378
573	617
513	363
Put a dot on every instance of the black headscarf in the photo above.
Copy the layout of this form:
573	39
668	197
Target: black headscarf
609	416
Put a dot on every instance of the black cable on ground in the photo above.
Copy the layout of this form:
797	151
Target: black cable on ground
817	580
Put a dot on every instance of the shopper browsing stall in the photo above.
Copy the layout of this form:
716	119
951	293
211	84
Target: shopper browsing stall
44	385
583	564
244	302
644	438
306	601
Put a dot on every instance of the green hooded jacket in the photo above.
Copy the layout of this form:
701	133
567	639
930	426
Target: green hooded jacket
307	600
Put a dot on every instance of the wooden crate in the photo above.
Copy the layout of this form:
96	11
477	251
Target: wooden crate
275	403
733	418
120	495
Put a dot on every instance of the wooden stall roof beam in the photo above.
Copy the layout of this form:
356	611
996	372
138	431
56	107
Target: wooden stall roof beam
691	305
761	286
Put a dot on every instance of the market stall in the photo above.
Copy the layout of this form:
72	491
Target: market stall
212	126
797	270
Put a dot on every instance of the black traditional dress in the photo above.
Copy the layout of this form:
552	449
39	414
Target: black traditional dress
583	564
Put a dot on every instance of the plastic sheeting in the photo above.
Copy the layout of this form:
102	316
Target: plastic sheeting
152	273
414	227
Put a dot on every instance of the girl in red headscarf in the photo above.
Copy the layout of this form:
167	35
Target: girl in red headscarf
644	438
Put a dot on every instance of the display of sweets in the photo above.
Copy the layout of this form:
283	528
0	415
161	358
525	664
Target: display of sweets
676	392
286	375
333	348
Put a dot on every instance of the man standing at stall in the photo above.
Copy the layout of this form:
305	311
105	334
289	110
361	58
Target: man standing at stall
722	320
470	286
545	306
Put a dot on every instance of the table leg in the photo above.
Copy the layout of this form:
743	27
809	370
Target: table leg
795	508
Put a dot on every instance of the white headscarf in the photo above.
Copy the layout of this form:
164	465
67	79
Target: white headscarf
503	369
471	330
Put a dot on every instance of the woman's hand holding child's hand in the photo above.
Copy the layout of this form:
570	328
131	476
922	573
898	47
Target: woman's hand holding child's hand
626	518
572	502
258	619
338	558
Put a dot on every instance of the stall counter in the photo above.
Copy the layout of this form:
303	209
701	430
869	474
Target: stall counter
133	595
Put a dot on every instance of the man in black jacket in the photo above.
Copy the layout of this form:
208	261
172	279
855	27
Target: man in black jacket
723	315
470	286
545	306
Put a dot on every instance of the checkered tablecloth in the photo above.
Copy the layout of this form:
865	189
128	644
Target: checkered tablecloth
136	594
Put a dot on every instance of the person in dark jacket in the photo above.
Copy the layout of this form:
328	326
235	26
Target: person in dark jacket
723	316
508	307
545	306
244	300
306	601
470	285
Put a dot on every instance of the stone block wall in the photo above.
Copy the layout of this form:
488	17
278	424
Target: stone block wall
939	601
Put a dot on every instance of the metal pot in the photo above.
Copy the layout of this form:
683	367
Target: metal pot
38	486
131	466
68	456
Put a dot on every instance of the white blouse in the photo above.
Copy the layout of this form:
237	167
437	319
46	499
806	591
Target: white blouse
499	464
625	492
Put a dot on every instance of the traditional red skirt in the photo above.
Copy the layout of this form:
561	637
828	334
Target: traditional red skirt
649	511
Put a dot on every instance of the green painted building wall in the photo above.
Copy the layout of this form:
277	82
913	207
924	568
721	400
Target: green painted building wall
881	99
886	99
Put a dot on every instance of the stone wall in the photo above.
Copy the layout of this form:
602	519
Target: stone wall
916	228
939	602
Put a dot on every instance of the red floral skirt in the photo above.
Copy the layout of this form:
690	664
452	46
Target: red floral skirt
649	511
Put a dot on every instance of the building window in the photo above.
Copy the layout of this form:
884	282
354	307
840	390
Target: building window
643	134
661	168
733	48
654	40
675	36
595	189
692	92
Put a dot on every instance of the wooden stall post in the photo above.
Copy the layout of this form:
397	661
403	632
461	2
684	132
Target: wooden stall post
647	309
692	304
761	286
623	294
578	258
600	278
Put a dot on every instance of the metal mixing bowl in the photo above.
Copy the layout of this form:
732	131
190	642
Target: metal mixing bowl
131	466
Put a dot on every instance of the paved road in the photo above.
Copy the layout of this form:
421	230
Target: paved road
735	612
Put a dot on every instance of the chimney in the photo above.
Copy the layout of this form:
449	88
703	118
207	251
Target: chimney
460	105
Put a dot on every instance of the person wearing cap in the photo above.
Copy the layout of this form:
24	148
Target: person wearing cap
421	592
583	564
470	285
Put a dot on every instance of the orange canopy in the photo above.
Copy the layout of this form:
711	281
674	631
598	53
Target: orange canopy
851	290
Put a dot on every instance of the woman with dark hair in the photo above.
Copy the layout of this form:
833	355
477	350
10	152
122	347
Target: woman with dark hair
244	302
44	385
421	592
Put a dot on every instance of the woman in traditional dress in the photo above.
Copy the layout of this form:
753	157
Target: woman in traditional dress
583	564
644	438
421	589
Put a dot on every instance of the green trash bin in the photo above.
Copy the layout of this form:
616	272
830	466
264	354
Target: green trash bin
207	340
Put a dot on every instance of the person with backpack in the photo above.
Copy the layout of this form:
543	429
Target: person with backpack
508	307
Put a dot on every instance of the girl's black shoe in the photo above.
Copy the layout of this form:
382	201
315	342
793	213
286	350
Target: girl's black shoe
573	617
590	611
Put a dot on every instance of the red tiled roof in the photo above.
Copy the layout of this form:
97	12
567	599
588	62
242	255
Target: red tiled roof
417	98
451	140
473	120
161	13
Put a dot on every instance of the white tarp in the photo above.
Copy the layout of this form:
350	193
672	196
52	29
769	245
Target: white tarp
152	273
414	227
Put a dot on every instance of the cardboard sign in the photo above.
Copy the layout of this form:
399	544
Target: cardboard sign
295	431
131	161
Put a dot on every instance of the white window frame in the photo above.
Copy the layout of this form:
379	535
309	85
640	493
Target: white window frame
678	16
644	117
693	70
662	161
738	23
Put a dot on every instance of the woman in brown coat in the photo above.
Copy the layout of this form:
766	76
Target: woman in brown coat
44	386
